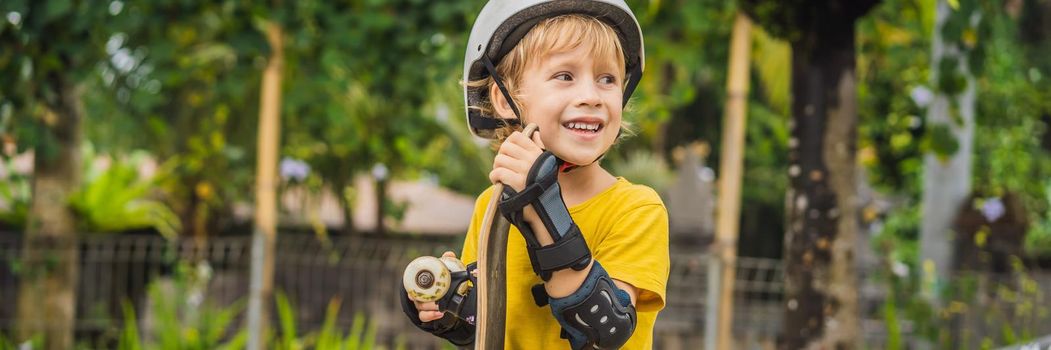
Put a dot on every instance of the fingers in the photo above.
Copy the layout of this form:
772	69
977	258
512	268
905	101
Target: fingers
511	163
520	139
428	316
517	154
508	177
428	311
538	141
426	305
516	151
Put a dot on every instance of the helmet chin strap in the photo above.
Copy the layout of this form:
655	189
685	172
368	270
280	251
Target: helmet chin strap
566	166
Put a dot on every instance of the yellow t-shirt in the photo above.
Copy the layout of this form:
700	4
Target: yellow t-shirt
626	228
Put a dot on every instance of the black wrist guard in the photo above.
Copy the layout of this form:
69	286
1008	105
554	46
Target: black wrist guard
543	193
457	325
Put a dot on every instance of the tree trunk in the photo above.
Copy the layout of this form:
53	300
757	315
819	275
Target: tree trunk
46	296
946	178
821	220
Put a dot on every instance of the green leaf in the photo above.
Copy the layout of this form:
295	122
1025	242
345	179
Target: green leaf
941	141
129	339
216	324
329	337
287	318
56	8
950	80
355	338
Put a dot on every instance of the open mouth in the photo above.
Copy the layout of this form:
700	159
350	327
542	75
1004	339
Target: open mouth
583	127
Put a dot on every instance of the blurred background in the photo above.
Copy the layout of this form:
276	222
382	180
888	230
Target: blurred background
865	174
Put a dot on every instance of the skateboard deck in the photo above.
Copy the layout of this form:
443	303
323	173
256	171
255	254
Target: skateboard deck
492	267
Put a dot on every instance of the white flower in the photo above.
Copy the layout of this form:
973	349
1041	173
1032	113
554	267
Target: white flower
294	169
900	269
993	209
922	96
379	171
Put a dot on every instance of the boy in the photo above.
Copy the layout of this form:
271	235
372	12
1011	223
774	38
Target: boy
587	258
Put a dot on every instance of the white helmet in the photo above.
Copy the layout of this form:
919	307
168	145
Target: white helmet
503	23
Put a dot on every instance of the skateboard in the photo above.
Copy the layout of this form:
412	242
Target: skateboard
427	278
492	267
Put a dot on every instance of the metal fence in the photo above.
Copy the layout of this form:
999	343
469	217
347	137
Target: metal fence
364	272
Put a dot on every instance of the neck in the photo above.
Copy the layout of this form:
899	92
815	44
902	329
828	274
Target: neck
582	183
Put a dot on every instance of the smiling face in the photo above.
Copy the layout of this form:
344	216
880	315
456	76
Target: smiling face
576	101
570	85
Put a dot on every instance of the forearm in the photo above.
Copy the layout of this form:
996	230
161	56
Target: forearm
563	282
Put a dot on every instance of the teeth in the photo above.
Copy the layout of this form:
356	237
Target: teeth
582	126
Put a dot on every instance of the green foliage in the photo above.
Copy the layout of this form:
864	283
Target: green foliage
35	342
383	91
193	89
1011	306
188	88
111	198
790	20
767	157
179	322
117	199
772	60
1038	238
644	168
893	62
182	318
50	39
328	337
129	337
940	141
1011	121
287	320
686	49
15	195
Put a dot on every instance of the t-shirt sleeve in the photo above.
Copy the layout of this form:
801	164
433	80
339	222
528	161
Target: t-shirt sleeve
470	243
636	252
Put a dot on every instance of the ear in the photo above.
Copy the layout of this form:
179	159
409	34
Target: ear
499	102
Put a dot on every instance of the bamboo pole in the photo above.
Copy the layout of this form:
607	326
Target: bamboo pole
265	232
730	171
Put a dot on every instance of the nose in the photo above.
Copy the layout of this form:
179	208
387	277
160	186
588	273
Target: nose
588	94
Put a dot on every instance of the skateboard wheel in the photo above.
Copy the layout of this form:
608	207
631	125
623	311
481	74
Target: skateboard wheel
428	278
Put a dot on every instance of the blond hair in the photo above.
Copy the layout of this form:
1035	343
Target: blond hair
553	35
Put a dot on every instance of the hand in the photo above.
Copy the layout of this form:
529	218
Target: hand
429	310
516	155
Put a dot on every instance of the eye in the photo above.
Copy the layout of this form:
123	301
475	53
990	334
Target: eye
607	79
563	76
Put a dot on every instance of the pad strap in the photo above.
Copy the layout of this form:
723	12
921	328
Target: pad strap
542	191
457	325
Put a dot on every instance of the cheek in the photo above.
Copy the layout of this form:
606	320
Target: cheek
616	120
